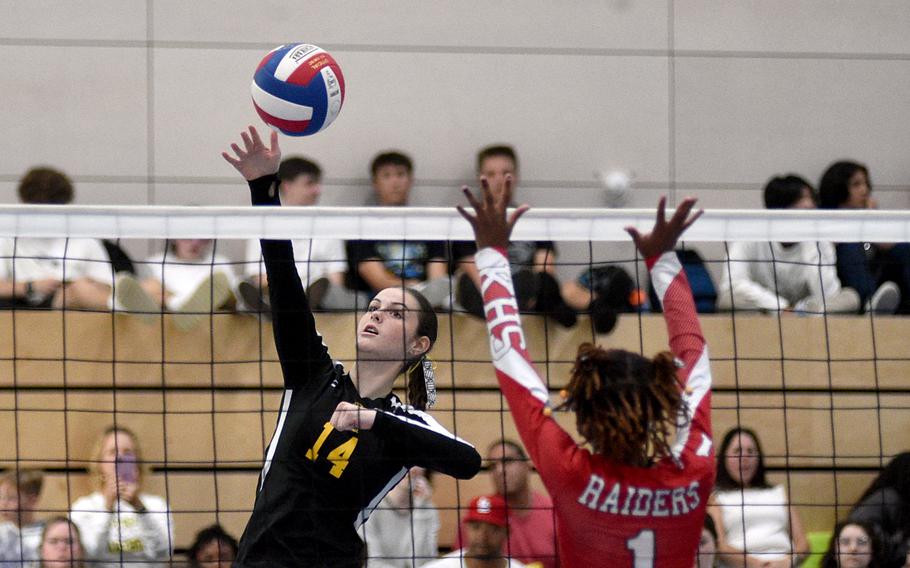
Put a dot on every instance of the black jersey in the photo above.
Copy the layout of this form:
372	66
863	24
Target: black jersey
319	485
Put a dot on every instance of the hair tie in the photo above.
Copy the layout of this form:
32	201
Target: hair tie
429	379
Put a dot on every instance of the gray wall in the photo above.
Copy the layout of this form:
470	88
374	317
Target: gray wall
135	99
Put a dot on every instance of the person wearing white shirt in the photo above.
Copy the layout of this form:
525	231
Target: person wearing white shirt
120	525
799	277
10	550
53	272
321	263
20	490
756	525
188	278
403	530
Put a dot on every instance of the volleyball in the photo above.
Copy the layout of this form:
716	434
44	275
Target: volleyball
298	88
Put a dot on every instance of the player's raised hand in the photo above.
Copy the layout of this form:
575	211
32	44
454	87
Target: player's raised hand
491	227
664	235
255	159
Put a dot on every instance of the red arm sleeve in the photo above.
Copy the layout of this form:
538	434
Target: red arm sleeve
688	345
551	448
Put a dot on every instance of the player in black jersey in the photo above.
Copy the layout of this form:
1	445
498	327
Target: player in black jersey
343	440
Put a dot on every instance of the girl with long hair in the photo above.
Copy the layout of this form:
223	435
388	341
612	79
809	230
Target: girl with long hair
343	439
120	524
637	497
756	526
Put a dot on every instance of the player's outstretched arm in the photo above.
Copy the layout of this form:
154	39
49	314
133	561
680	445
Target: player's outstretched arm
686	339
669	279
300	347
549	446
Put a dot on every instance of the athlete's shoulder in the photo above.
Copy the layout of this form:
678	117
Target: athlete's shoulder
395	405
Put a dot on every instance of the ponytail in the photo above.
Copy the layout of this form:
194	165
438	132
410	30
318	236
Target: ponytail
420	372
420	375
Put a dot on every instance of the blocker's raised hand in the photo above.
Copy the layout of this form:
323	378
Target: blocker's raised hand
491	227
664	235
255	159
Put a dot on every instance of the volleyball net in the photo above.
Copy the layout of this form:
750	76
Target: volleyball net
826	392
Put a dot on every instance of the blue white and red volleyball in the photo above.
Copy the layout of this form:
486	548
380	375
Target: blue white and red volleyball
298	88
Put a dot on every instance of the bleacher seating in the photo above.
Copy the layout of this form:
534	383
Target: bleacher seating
204	402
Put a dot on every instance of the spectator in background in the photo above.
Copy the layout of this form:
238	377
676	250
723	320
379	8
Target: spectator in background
321	263
376	265
486	531
707	545
403	531
120	525
10	550
20	491
212	548
853	545
885	504
771	276
605	291
61	545
532	523
533	262
189	278
869	268
53	272
755	524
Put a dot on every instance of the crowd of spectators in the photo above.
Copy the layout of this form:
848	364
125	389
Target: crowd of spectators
751	522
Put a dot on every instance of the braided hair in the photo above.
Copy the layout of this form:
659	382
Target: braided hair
626	406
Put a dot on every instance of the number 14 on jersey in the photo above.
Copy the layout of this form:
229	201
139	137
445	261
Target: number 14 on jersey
339	457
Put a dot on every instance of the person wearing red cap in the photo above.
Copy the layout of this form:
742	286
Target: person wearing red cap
487	530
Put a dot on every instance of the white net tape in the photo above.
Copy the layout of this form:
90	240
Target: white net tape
438	223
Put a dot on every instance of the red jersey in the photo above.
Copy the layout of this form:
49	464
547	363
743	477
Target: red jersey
608	513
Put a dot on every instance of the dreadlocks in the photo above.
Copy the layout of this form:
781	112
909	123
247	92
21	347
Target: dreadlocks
626	406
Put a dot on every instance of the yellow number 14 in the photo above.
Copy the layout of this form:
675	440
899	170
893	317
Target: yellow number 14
339	457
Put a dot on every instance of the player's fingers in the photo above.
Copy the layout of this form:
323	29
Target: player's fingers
636	236
506	197
254	134
693	219
240	153
247	142
682	211
464	213
273	141
230	159
662	210
486	193
470	197
516	215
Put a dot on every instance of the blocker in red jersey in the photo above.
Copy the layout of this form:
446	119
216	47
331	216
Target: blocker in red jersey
298	89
